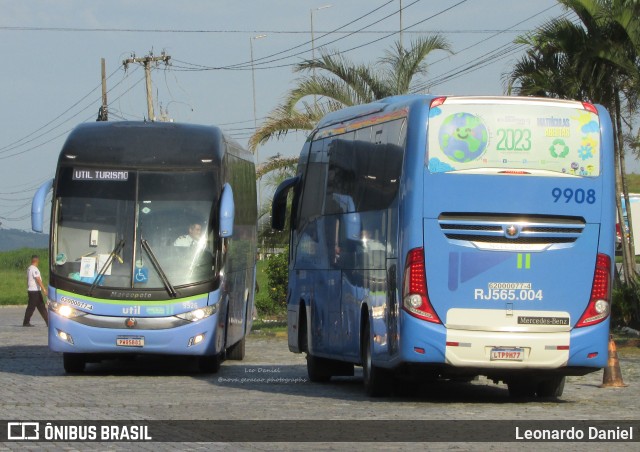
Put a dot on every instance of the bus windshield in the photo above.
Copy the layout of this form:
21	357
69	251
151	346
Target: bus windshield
172	212
504	136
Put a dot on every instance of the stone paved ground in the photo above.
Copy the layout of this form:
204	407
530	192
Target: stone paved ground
33	386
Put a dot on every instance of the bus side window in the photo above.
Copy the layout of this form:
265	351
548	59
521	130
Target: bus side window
365	174
396	136
363	178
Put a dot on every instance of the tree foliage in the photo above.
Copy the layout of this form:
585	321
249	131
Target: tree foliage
339	83
594	59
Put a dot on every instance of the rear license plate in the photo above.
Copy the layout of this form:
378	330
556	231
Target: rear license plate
507	354
130	341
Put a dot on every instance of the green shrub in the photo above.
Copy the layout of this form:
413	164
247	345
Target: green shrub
624	306
275	301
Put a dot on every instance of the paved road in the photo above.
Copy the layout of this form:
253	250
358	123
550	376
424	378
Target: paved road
33	386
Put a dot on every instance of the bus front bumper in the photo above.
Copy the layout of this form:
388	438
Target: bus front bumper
195	338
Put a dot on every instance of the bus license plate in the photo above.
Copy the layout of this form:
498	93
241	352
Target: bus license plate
130	341
507	354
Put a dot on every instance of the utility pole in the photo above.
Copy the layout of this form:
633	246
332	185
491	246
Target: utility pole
146	62
103	113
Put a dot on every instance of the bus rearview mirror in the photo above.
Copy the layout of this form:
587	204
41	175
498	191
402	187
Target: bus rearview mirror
37	206
279	204
227	212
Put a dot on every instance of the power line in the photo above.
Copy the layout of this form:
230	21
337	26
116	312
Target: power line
406	28
236	31
239	66
22	142
429	83
70	129
57	117
486	59
31	187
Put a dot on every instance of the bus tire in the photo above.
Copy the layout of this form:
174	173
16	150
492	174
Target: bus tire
317	370
74	363
209	364
236	352
521	387
377	381
551	387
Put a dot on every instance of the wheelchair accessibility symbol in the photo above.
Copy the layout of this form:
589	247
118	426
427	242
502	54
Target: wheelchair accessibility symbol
141	275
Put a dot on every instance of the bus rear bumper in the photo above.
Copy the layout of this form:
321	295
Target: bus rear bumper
428	343
69	336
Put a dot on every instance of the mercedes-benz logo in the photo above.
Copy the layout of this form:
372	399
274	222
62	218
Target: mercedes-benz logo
130	322
511	230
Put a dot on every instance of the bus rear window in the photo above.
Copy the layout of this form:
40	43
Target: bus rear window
513	136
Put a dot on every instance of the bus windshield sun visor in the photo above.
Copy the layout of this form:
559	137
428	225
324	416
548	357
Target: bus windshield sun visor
154	261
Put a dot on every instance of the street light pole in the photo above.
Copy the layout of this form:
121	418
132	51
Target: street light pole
255	115
401	46
253	85
313	43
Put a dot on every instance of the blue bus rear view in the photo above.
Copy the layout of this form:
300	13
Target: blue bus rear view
450	237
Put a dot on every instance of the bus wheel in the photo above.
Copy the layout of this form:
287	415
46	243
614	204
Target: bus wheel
521	388
74	363
317	370
377	381
236	351
209	364
552	387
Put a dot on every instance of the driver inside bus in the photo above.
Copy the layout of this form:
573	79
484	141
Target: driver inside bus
192	238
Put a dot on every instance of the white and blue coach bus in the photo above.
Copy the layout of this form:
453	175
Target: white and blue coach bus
153	243
449	237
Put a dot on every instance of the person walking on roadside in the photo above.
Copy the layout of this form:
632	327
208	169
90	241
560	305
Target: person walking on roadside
34	287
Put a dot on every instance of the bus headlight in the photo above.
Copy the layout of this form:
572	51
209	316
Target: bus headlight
65	310
199	314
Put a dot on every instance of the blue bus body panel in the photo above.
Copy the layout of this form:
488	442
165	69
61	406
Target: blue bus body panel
459	274
553	280
103	340
174	341
132	308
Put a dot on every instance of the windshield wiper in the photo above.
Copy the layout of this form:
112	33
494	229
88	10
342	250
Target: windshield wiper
158	267
106	265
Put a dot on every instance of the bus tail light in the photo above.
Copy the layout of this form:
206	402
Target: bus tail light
590	107
437	102
599	304
415	297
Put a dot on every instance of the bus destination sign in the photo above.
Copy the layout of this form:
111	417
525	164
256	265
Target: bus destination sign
100	175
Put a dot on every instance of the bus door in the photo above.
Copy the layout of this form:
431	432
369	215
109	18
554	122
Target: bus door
317	279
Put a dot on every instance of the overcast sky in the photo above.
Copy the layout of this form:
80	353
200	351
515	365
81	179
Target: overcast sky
51	53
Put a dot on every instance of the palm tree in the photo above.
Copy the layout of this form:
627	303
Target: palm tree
275	171
342	83
593	60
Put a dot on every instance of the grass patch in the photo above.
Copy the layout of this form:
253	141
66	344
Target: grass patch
13	274
619	259
269	328
633	183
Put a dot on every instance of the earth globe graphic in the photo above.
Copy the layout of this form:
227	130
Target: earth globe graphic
463	137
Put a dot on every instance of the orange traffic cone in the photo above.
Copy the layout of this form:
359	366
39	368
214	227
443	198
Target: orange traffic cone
612	377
